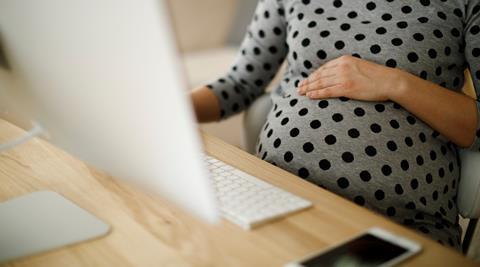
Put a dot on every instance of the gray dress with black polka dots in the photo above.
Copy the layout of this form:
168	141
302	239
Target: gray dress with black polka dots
377	154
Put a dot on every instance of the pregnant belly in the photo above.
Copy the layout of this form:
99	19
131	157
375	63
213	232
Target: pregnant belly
331	139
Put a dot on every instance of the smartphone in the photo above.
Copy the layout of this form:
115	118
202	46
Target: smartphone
375	247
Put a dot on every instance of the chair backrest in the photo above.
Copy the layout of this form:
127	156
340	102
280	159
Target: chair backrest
468	197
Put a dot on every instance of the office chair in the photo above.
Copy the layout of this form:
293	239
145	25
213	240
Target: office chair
468	197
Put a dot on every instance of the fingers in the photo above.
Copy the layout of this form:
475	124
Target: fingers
333	91
319	74
319	83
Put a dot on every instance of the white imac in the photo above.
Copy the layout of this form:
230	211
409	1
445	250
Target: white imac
103	79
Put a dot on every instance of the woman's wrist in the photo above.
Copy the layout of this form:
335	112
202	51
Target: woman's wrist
400	86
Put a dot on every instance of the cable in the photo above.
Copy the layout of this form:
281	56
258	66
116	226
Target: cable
34	132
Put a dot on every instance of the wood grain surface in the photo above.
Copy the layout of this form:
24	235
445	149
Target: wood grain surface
148	231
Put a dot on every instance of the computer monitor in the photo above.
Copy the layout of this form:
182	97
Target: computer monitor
104	79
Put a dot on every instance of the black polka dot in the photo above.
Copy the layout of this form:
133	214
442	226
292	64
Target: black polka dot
386	170
307	64
370	151
360	112
438	33
288	156
425	2
337	117
347	157
412	57
414	184
305	42
422	137
375	49
294	132
381	30
408	141
330	139
371	6
352	14
391	63
293	102
359	37
428	178
277	31
343	182
308	147
375	128
353	133
423	200
404	165
315	124
323	104
261	34
418	36
419	160
399	189
441	15
277	143
303	172
339	45
386	17
410	205
397	41
273	49
402	24
391	211
365	176
345	26
441	172
359	200
324	164
392	146
303	112
379	194
406	9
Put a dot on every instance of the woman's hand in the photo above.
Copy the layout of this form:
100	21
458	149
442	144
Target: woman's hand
351	77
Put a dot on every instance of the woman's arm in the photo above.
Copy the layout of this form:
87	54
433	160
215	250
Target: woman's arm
261	54
205	104
452	114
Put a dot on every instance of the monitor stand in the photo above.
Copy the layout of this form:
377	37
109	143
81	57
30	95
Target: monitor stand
42	221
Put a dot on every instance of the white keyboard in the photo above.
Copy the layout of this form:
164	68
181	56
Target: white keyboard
248	201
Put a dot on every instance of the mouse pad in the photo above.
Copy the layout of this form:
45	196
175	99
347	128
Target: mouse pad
42	221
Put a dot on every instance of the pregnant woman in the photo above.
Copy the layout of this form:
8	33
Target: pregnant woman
370	106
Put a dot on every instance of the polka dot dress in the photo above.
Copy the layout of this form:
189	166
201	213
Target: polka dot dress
377	154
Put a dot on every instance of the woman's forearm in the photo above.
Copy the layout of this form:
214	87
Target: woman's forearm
205	104
452	114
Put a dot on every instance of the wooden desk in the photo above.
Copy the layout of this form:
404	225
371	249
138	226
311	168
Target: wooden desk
147	231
